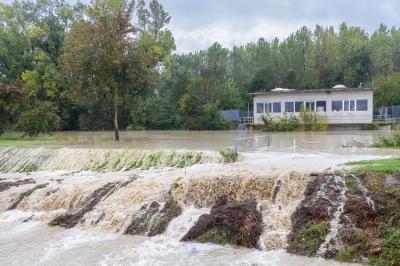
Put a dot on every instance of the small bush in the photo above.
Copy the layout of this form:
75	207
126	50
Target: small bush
390	142
212	118
40	119
229	155
307	121
312	236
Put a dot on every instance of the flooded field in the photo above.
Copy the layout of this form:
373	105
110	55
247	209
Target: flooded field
121	180
330	141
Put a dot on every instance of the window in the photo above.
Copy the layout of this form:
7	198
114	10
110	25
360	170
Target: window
289	107
362	105
277	107
260	108
268	107
349	105
297	106
321	106
310	106
337	106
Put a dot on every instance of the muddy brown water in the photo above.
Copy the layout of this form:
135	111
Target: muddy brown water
29	242
329	141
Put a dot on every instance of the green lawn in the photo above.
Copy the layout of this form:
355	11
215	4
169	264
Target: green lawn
386	166
12	139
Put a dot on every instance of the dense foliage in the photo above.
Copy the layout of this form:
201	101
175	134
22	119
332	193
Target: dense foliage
110	65
307	121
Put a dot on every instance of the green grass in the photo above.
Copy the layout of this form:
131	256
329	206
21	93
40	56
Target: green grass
384	166
13	139
312	236
215	235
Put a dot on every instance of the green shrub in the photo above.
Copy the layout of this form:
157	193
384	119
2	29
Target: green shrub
229	155
212	118
392	141
40	119
308	121
312	236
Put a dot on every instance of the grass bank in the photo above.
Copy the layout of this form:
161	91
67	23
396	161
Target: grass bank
12	139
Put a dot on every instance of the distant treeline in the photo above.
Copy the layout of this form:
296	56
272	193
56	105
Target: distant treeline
111	65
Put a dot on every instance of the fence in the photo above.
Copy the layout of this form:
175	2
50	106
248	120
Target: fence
251	143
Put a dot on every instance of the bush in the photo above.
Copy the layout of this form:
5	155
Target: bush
212	118
40	119
393	141
308	121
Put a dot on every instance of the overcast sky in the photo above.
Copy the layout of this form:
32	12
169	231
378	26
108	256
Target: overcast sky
196	24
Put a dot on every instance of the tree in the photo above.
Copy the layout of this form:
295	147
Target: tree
387	91
39	119
106	54
10	97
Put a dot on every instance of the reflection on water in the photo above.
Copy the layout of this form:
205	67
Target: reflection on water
331	141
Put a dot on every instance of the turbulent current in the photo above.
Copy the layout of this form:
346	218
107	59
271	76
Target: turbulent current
98	207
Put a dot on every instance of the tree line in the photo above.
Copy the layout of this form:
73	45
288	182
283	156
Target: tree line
111	65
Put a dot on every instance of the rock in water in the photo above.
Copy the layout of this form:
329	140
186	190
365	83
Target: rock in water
74	216
153	219
311	220
236	223
4	185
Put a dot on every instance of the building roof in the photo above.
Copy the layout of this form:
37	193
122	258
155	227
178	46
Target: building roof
309	91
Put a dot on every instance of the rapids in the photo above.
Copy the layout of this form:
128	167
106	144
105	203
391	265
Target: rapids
99	194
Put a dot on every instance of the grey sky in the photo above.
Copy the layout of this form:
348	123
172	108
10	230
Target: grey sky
197	24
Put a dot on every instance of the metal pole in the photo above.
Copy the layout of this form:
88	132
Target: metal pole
294	145
185	163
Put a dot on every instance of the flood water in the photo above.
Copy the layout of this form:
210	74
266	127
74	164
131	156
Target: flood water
329	141
32	242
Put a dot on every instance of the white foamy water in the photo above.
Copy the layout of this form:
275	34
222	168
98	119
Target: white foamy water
276	179
41	245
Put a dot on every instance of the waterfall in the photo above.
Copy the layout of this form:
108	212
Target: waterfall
99	160
111	202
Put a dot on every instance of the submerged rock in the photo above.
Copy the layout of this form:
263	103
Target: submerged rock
25	194
75	215
236	223
4	185
153	218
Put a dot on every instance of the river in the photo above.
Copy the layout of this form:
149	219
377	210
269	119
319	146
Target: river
98	239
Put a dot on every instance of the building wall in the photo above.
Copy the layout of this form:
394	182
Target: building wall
333	117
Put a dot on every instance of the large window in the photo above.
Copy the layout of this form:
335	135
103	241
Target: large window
337	106
297	106
362	105
321	106
289	107
260	108
268	107
277	107
310	106
349	105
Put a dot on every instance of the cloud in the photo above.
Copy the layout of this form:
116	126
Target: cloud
197	24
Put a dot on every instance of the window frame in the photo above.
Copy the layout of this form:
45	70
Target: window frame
280	107
341	104
287	104
257	108
366	106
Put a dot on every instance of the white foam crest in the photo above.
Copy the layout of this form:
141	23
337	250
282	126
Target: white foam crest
335	221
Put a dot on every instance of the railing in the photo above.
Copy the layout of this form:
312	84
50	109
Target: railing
247	120
254	140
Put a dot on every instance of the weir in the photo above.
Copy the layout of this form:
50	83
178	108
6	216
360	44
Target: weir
257	207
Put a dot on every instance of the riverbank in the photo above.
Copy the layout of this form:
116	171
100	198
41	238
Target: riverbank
351	215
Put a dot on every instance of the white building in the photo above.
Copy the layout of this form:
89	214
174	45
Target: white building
340	105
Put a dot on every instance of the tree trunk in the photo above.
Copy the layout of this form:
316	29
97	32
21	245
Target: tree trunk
116	131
